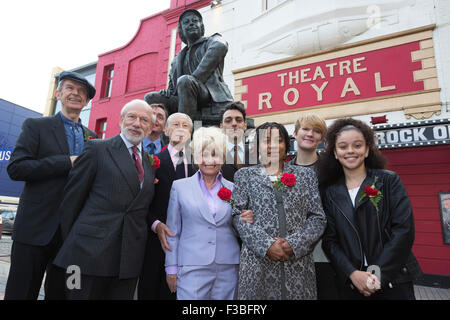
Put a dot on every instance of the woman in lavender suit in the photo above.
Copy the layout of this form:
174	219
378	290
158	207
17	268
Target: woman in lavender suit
202	261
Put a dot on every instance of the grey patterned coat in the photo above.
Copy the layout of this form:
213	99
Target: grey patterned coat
260	277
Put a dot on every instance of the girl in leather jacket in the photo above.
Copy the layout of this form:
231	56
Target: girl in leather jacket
370	222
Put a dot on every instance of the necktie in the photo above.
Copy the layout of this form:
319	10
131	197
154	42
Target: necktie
237	161
151	148
138	164
179	171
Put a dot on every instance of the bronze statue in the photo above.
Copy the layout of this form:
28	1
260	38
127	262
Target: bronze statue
196	85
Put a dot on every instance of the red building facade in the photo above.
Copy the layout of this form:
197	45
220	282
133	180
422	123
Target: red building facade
140	66
425	172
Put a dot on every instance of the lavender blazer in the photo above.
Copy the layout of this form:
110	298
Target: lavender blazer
199	238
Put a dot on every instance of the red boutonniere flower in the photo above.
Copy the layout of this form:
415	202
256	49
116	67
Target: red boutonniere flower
370	192
373	193
288	179
157	163
225	195
87	136
154	161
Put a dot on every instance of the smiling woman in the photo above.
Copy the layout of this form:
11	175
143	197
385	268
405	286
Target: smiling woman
370	221
203	258
209	146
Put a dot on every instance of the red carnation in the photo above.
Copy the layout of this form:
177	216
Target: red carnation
156	163
370	192
224	194
288	179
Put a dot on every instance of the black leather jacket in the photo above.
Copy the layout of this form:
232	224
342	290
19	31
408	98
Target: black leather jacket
385	236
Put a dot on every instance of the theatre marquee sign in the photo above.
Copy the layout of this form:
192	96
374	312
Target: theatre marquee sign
365	75
415	134
348	81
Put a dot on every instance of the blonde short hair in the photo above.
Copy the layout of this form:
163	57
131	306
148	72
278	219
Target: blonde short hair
209	138
313	121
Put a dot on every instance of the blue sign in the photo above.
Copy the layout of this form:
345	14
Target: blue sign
11	122
5	154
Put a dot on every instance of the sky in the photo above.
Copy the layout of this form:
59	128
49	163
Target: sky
38	35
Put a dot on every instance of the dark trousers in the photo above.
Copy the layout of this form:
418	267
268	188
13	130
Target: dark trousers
191	93
103	288
152	282
400	291
28	265
326	281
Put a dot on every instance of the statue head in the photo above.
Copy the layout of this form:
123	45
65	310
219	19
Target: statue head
181	32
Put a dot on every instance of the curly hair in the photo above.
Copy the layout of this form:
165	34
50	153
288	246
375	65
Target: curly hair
330	169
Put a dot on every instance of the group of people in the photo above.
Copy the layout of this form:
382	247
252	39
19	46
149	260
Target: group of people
200	218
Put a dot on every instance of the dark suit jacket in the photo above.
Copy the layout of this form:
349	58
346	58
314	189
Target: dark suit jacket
166	175
152	284
104	210
41	159
164	140
229	169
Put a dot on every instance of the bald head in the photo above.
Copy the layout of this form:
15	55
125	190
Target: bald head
136	120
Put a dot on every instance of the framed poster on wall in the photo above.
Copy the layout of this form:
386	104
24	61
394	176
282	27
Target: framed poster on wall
444	205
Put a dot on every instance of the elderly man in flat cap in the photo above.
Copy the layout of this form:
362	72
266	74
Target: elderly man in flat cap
43	156
196	74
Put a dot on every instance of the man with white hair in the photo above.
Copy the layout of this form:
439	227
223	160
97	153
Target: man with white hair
175	164
104	211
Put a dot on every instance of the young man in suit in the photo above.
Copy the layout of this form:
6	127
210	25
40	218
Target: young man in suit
234	125
152	282
104	210
44	154
155	140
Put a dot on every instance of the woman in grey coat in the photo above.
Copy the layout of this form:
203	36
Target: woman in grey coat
276	260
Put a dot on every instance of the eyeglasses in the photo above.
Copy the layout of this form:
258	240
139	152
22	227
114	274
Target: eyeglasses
132	117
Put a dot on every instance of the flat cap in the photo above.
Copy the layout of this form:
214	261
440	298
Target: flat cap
191	11
70	75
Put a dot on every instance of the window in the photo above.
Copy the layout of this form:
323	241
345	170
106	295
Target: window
100	128
107	81
139	76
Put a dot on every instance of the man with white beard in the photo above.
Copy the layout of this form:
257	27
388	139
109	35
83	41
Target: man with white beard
103	213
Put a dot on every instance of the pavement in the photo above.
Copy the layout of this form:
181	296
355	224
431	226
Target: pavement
5	260
421	292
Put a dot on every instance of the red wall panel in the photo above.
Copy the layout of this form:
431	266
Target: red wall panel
425	171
